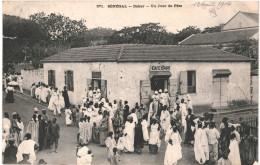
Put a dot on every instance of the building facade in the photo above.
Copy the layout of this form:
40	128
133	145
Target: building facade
211	77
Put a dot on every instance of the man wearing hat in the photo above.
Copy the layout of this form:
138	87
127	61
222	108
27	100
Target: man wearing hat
35	110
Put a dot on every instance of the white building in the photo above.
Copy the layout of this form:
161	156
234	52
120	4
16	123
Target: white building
212	77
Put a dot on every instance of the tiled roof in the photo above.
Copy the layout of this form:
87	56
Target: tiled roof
145	53
253	16
219	37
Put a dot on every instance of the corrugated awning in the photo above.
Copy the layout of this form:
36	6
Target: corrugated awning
160	74
221	73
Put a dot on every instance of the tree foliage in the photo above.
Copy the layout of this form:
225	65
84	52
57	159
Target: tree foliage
150	33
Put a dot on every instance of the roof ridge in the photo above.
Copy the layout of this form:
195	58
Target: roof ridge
120	54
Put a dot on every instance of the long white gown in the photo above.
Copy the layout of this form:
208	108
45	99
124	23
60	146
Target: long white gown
144	124
154	135
129	138
234	154
201	142
173	151
68	118
27	146
165	120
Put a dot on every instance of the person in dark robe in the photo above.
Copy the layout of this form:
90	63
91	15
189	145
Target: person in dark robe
224	139
66	97
45	116
247	152
103	129
189	135
138	141
47	142
126	111
15	130
10	153
10	94
54	135
42	132
95	133
117	123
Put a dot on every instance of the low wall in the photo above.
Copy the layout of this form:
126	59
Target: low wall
31	76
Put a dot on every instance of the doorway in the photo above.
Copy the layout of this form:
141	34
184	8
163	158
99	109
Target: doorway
158	83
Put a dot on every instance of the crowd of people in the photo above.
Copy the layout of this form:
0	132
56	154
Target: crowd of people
41	133
122	129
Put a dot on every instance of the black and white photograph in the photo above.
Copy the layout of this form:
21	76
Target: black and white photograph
130	82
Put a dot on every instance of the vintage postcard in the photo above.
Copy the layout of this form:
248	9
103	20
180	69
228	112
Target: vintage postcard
130	82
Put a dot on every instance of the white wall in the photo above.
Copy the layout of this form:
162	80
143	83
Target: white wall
255	89
123	79
31	76
245	22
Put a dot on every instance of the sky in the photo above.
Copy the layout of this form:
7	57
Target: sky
194	13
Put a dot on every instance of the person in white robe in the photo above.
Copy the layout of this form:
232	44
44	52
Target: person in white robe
51	101
20	83
27	147
134	116
21	126
129	134
154	140
38	92
6	125
84	155
56	102
234	154
145	126
201	148
68	117
173	151
110	144
44	93
33	129
184	113
165	118
189	103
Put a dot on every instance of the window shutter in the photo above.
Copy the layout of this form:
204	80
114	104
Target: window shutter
145	90
65	73
104	88
71	81
49	77
53	79
183	82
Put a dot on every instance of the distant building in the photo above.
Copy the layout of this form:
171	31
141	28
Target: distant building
243	26
212	77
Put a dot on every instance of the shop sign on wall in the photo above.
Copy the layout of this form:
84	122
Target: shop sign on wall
159	68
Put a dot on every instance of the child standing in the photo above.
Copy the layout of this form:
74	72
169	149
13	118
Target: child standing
68	117
110	144
213	136
115	158
120	143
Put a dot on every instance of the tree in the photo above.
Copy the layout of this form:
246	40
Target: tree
150	33
59	28
212	29
248	48
186	32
